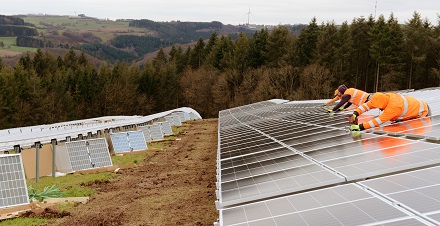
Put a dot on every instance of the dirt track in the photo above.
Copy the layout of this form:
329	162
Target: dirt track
173	186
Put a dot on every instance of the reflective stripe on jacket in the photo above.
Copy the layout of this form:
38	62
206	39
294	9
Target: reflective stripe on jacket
396	107
358	97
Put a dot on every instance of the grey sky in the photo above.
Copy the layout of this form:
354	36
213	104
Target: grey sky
270	12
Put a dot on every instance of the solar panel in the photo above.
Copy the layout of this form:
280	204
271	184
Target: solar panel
417	191
186	116
181	116
78	155
152	132
13	190
257	184
341	205
128	141
88	154
120	142
62	159
99	152
174	120
155	132
136	140
177	120
165	127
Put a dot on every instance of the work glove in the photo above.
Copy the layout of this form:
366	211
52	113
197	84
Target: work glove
341	108
356	135
352	119
355	128
324	104
330	111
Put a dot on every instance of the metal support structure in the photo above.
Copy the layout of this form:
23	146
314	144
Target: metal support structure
54	143
38	145
17	149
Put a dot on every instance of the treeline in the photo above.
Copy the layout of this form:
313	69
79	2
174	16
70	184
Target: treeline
12	30
11	20
223	72
141	44
26	41
108	53
179	32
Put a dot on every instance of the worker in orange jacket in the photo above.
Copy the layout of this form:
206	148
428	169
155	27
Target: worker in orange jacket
348	97
395	107
336	98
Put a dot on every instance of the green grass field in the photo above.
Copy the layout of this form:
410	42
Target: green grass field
103	29
75	23
9	45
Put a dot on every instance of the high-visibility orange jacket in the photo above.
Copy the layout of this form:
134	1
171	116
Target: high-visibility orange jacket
395	107
352	96
336	98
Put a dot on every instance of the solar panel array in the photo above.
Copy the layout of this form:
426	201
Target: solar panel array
13	190
88	154
294	164
128	141
27	136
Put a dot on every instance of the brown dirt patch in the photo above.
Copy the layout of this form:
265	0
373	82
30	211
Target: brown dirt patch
174	186
47	213
8	53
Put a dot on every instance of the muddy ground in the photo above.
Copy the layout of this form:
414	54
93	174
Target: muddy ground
173	186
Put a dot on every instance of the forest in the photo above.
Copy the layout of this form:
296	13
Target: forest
221	72
179	32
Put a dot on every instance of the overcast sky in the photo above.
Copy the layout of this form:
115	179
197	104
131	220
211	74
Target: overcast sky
269	12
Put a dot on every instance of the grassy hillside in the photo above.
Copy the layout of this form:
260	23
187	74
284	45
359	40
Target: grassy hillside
103	29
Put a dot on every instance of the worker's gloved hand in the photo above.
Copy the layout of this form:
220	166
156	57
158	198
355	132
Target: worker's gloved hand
330	111
341	108
352	119
356	134
355	128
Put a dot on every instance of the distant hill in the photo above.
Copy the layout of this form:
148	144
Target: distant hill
123	40
106	40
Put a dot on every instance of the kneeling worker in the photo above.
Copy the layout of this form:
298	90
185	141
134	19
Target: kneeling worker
350	96
395	107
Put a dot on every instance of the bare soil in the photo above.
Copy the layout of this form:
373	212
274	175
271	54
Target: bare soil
173	186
